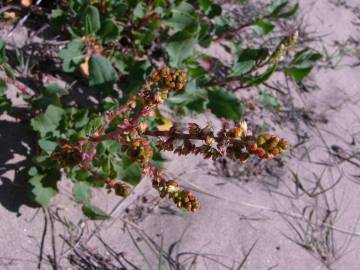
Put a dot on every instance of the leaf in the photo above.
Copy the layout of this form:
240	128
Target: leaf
215	10
72	55
94	124
43	187
263	27
57	18
182	17
192	99
289	13
306	58
180	46
263	77
48	121
276	7
302	64
82	192
47	145
102	73
139	10
2	52
91	20
94	213
298	73
224	104
269	101
109	30
130	171
54	89
5	103
247	59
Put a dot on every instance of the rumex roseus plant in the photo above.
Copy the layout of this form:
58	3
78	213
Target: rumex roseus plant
137	140
116	49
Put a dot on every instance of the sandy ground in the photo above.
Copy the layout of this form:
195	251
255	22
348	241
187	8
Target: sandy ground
300	212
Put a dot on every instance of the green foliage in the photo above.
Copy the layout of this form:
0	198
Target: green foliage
302	64
102	74
225	105
269	101
72	55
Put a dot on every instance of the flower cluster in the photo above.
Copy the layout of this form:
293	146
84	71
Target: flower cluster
131	131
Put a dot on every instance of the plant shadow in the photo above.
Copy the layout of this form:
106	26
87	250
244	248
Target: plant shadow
18	143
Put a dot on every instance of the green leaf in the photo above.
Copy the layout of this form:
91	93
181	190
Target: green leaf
192	99
72	55
48	121
224	104
82	192
2	52
298	73
302	64
180	46
5	103
54	89
57	18
43	187
269	101
276	7
215	10
102	73
182	17
263	77
139	10
306	58
289	13
9	71
109	30
47	145
130	171
91	20
247	59
94	213
94	124
263	27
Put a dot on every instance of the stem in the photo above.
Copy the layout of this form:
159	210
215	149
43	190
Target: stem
233	31
175	135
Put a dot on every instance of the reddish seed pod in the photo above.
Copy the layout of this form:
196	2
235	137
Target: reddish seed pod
260	152
253	147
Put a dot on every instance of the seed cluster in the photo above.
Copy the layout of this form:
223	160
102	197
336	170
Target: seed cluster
120	188
131	131
236	143
67	154
182	198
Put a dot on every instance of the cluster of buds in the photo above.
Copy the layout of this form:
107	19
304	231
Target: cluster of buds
268	146
67	154
182	198
120	188
283	47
